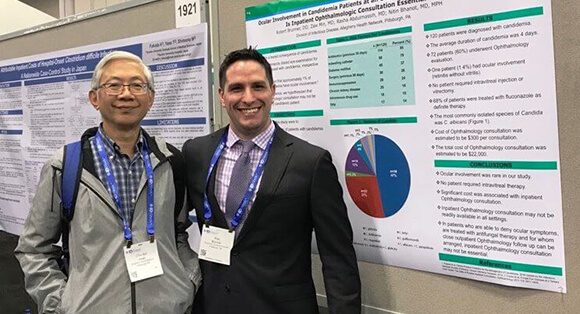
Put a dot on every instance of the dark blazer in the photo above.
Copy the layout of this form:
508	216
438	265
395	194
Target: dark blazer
270	270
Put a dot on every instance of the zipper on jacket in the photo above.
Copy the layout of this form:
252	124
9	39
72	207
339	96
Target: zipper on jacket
133	293
133	301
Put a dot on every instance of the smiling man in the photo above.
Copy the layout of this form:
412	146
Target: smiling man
259	192
127	242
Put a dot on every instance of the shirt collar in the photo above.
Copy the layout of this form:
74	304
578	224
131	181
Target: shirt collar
261	140
113	149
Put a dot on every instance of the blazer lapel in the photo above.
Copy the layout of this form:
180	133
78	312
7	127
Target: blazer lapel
280	155
218	217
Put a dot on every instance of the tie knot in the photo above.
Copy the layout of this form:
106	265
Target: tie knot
247	146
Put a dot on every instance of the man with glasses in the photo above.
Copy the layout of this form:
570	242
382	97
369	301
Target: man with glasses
127	242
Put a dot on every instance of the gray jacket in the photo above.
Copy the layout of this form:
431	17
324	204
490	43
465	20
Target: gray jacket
98	281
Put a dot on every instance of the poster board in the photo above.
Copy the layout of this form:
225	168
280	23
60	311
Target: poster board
431	115
44	104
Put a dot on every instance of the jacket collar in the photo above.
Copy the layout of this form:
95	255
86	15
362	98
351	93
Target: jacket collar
159	154
89	163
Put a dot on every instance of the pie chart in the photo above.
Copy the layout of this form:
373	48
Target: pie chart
378	178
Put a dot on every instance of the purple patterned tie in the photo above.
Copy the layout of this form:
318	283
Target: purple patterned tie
241	176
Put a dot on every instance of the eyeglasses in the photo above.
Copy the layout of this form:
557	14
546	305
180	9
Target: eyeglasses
114	89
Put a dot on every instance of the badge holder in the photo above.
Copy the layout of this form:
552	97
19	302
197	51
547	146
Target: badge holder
216	244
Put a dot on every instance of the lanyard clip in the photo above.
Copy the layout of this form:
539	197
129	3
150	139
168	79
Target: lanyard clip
151	238
129	243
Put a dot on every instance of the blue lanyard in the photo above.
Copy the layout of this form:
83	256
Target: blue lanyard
115	189
251	187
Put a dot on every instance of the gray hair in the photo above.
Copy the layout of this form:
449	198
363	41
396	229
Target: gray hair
120	55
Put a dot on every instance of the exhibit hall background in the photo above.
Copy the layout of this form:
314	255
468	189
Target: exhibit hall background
385	289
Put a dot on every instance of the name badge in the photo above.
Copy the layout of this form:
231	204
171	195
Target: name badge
216	245
143	261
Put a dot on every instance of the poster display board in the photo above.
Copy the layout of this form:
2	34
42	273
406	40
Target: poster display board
44	104
441	119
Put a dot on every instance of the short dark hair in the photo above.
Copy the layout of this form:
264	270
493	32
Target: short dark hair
241	55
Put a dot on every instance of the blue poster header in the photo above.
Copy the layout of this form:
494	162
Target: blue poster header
9	85
176	121
176	65
11	112
10	132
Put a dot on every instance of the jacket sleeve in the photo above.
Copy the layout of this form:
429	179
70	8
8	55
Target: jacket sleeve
334	239
187	256
37	251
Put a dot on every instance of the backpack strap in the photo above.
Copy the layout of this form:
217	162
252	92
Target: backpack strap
71	175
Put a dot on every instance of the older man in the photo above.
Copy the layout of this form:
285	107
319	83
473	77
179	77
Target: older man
259	192
127	240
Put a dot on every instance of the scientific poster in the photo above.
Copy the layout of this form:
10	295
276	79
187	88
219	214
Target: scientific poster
441	119
44	104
